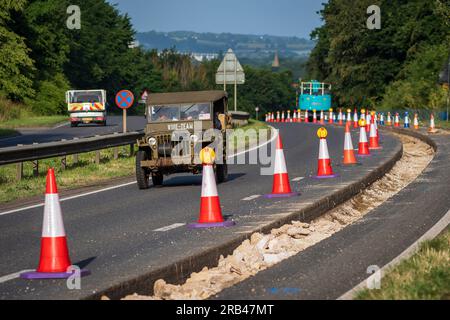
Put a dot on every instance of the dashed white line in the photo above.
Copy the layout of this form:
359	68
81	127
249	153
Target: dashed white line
172	226
298	179
12	276
251	197
68	198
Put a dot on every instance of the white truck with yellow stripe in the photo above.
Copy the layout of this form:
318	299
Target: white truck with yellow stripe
86	106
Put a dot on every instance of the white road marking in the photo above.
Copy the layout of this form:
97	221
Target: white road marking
12	276
298	179
172	226
69	198
61	125
251	197
274	136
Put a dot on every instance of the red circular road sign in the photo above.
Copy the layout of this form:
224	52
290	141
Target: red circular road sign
124	99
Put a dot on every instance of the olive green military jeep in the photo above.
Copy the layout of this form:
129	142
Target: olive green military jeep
168	115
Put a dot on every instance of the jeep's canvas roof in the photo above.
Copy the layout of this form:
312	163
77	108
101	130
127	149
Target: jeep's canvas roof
185	97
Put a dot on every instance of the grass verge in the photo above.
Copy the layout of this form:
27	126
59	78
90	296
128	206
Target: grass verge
7	133
33	122
84	173
424	276
443	124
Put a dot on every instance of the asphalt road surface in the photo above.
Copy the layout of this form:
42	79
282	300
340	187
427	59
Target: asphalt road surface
113	233
65	131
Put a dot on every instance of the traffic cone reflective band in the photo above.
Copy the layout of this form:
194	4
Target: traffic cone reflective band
397	120
432	128
314	116
281	186
324	168
330	119
363	148
406	122
373	137
54	261
349	152
355	119
210	210
306	116
322	117
416	121
389	119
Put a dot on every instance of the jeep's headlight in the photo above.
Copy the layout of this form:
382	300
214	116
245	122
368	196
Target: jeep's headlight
194	138
152	142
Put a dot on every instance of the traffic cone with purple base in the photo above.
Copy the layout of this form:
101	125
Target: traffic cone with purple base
210	210
373	137
349	152
281	186
54	260
363	148
324	168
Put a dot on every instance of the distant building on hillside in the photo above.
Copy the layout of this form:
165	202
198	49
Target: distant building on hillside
276	62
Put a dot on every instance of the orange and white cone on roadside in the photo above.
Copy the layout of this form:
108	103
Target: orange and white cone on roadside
389	119
314	116
397	120
373	137
288	118
363	147
54	261
281	187
432	128
330	116
322	117
355	119
294	116
210	210
324	168
306	116
299	115
349	152
416	121
278	117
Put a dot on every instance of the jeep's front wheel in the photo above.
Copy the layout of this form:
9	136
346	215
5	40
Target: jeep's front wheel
142	174
157	179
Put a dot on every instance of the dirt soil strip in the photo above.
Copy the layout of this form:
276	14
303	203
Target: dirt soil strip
263	251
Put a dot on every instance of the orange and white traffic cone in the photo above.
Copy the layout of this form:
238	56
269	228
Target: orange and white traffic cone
288	119
368	121
330	116
341	118
282	116
363	148
278	116
416	121
355	119
349	116
373	137
281	186
349	152
322	117
306	116
210	210
389	120
432	128
54	260
299	115
324	168
397	120
294	116
314	116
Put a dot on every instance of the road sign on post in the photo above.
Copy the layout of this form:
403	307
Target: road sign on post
124	100
230	72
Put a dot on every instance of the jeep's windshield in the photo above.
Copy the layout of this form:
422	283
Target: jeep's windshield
185	112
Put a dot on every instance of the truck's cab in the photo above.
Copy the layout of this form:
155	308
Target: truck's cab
314	95
168	116
86	106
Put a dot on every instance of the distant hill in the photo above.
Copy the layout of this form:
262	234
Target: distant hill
246	46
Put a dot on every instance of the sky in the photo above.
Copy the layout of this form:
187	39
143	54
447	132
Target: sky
272	17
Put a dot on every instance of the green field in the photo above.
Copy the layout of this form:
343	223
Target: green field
424	276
